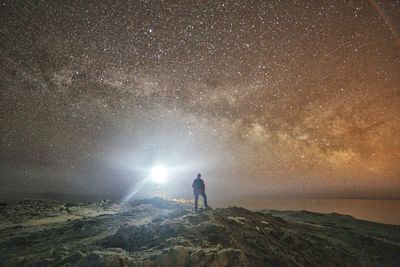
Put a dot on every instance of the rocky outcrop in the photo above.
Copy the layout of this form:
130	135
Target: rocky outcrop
163	233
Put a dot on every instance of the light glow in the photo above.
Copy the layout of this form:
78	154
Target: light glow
159	174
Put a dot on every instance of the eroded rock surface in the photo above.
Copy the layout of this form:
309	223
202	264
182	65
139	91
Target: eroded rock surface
156	232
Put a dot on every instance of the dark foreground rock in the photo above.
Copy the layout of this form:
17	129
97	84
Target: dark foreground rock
161	233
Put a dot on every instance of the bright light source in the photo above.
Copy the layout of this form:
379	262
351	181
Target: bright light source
159	174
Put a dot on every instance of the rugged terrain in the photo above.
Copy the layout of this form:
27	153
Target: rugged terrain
156	232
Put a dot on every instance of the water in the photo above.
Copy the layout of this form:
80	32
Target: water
376	210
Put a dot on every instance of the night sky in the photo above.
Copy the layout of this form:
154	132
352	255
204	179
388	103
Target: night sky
264	98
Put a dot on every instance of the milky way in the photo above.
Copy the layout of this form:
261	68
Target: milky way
265	99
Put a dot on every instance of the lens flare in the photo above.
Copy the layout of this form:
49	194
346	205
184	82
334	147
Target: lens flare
159	174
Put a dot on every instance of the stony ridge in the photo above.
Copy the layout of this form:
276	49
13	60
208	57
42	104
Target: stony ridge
155	232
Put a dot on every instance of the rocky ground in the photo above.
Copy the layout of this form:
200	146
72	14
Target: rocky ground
156	232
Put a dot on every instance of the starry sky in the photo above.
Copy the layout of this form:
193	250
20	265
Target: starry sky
268	99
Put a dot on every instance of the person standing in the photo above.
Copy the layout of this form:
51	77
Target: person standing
199	188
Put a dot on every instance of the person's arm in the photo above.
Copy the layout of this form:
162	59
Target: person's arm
193	184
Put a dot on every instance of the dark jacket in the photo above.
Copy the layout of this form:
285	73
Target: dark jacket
198	185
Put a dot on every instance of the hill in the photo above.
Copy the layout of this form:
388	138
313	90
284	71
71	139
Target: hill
155	232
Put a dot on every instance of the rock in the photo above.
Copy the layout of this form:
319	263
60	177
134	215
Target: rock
159	233
73	259
157	219
228	257
175	241
239	220
175	256
251	242
92	260
169	228
197	256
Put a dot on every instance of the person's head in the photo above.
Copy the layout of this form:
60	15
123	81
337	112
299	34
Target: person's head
198	175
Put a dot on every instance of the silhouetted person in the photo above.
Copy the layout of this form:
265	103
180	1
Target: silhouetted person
199	188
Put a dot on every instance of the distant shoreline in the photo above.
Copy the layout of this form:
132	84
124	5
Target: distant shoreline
375	210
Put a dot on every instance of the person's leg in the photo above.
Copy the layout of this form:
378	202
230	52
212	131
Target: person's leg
203	194
196	199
